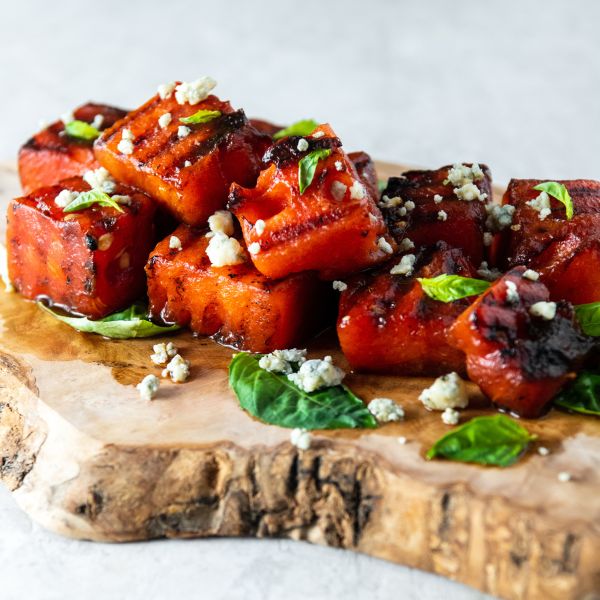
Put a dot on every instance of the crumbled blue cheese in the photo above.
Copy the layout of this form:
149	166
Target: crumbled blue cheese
187	163
450	416
499	216
164	120
357	191
105	241
165	90
488	238
97	121
564	477
447	391
384	245
344	321
543	451
174	243
254	248
259	227
100	179
195	91
405	266
385	410
469	192
338	165
125	146
223	250
405	245
402	440
65	197
340	286
318	134
460	174
125	200
300	438
221	222
183	131
531	275
409	205
543	310
338	190
317	374
516	227
178	369
488	274
387	202
512	296
437	198
542	204
8	286
163	352
302	145
442	215
148	387
281	361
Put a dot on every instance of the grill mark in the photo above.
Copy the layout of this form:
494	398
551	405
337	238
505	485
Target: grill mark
128	118
172	156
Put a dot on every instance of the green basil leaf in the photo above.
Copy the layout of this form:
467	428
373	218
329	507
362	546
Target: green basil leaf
304	127
588	316
495	440
582	396
447	288
560	192
308	165
82	131
202	116
87	199
273	398
129	323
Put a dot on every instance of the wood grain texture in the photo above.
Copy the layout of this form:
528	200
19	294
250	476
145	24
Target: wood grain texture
86	457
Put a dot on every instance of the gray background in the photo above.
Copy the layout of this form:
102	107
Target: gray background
510	83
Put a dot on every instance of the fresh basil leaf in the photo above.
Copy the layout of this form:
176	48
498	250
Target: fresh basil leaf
582	396
87	199
81	130
304	127
202	116
588	316
495	440
308	165
129	323
447	288
273	398
560	192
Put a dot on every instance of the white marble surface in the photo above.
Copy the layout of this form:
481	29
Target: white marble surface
513	83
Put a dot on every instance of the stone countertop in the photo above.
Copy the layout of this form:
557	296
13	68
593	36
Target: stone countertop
513	84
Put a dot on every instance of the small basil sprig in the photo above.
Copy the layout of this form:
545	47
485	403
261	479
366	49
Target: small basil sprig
495	440
87	199
308	165
588	316
129	323
273	398
582	396
560	192
202	116
447	288
304	127
81	130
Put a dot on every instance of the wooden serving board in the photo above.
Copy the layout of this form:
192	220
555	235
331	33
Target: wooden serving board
86	457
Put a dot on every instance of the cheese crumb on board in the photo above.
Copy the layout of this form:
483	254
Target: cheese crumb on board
564	477
300	438
450	416
178	369
148	387
447	391
163	352
385	410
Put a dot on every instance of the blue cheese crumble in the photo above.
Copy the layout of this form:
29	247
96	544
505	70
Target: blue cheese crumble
385	410
148	387
282	361
447	391
317	374
300	438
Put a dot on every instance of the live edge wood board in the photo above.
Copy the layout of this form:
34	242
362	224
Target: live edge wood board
86	457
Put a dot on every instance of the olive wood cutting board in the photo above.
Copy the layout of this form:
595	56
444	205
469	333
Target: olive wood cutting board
86	457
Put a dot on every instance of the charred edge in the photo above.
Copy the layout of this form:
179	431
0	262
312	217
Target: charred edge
286	151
